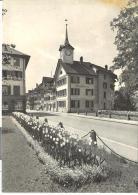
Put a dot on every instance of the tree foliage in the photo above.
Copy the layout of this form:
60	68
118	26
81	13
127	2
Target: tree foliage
126	40
123	100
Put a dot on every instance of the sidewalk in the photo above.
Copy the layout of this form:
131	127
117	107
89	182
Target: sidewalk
130	122
21	171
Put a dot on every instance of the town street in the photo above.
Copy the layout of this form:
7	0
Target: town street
123	138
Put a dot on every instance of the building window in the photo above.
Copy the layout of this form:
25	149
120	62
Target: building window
75	79
75	91
4	74
16	90
16	61
104	95
5	106
75	103
89	92
89	80
104	76
61	82
88	104
112	86
6	90
61	93
17	75
105	85
62	104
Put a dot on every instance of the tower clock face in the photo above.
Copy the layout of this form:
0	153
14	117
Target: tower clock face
68	52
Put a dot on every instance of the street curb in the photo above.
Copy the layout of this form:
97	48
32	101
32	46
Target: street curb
107	119
89	117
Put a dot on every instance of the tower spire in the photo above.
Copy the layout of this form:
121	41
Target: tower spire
66	35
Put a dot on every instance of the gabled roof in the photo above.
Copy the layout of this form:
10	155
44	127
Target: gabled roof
7	49
82	68
47	80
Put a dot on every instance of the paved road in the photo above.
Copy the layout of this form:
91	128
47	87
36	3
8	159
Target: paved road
21	170
119	136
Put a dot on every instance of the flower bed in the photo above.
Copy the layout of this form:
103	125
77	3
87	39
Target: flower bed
69	161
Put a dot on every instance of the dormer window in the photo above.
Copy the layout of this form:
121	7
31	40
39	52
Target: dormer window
61	72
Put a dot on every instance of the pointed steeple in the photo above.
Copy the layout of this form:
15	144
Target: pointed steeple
66	42
66	36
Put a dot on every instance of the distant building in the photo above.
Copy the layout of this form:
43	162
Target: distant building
14	64
78	86
40	97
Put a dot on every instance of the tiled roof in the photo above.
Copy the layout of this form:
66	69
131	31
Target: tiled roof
7	49
47	79
84	68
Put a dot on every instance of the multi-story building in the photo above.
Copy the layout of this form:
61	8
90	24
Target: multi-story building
42	96
82	86
14	64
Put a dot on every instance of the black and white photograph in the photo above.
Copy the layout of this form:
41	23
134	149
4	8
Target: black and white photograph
69	96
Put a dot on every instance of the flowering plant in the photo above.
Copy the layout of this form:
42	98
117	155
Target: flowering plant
58	143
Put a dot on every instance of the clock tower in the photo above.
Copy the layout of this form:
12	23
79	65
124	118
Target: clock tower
66	50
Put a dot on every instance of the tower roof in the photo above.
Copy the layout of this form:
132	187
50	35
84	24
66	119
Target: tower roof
66	37
66	43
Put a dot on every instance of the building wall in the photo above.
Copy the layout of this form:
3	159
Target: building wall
13	101
109	100
98	100
82	86
61	101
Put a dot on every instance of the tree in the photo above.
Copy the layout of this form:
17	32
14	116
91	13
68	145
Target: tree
126	40
123	100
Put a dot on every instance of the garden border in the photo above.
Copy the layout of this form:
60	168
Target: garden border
65	176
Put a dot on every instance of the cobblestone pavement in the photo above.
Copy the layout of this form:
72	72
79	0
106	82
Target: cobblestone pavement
21	170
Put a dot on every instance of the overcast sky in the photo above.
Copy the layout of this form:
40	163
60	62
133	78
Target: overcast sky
37	28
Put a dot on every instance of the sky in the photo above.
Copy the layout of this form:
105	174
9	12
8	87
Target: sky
37	28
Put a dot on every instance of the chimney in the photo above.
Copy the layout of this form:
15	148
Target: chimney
106	67
81	59
36	85
13	45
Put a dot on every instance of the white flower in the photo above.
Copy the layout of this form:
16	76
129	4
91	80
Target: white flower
57	139
79	150
53	138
